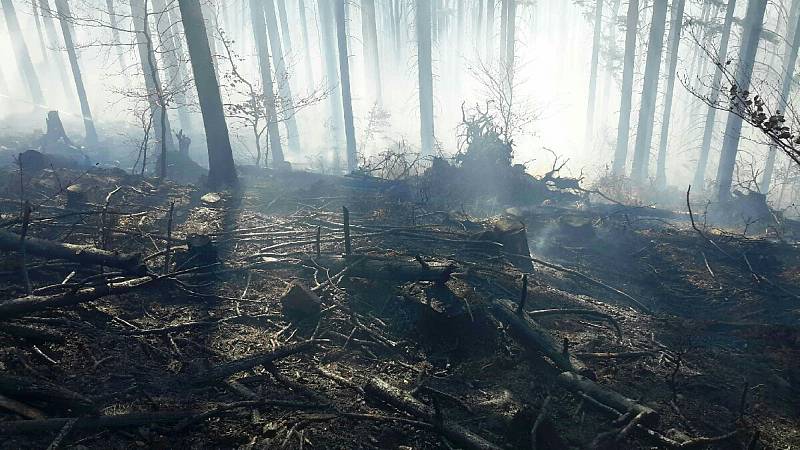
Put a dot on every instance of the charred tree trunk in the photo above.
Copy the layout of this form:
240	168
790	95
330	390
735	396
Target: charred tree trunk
647	108
260	35
597	36
169	52
24	62
708	129
790	61
152	81
331	72
222	170
425	69
282	76
369	33
63	13
623	128
753	24
344	74
674	40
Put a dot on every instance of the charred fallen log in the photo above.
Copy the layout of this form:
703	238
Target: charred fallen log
25	305
403	401
83	254
608	397
222	371
50	395
399	270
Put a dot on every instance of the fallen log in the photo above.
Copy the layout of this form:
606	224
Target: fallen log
30	333
222	371
26	411
83	254
397	269
606	396
46	393
533	337
401	400
31	303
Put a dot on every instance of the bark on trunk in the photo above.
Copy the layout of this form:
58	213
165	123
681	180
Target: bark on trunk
63	13
623	127
647	108
424	65
674	40
369	32
220	156
708	128
282	76
598	26
344	74
331	72
169	52
753	24
24	62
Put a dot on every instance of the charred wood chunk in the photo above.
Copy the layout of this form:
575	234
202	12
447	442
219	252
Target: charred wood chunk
299	301
202	250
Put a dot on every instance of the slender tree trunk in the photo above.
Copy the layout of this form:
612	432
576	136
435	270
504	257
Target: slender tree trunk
425	69
510	36
282	77
152	80
623	128
222	170
344	74
490	7
598	26
286	36
479	27
753	24
708	129
63	13
211	25
55	55
24	61
790	61
674	40
306	45
398	17
369	36
612	39
40	35
647	108
112	17
260	35
331	68
169	53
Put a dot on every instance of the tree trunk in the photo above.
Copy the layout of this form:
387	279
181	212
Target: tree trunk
790	60
222	170
260	35
647	108
52	39
112	17
306	45
344	74
369	36
511	21
152	81
490	6
210	17
612	39
169	52
623	128
425	70
598	26
24	62
284	20
39	34
674	40
282	76
331	72
503	23
63	13
708	129
753	24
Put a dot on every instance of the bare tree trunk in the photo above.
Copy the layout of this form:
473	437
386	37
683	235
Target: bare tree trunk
503	23
647	108
63	14
222	170
753	24
424	65
112	17
369	33
511	26
790	60
282	76
287	38
55	45
24	61
210	17
39	33
597	36
260	35
152	81
674	40
623	128
708	129
331	68
306	45
169	52
490	7
344	74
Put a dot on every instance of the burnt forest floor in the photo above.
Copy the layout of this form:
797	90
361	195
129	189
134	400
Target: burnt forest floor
203	353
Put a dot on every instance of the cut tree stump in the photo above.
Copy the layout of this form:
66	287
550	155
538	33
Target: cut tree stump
405	402
82	254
